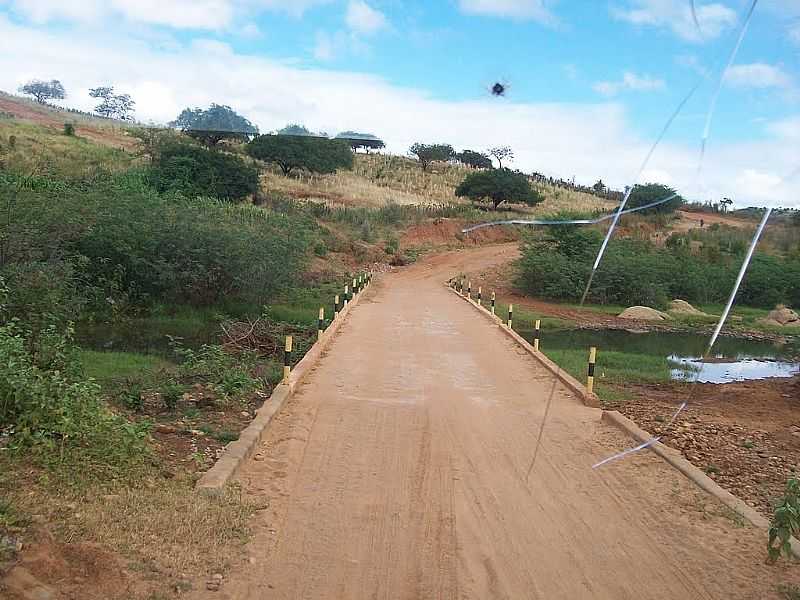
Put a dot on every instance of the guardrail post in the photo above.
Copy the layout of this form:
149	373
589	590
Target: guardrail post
493	297
321	323
479	295
345	296
590	377
336	306
469	290
287	359
510	315
536	335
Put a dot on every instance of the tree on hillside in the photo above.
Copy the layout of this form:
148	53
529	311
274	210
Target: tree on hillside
214	124
428	153
599	187
478	160
198	171
498	186
653	192
502	153
290	152
113	106
367	141
44	90
296	129
725	204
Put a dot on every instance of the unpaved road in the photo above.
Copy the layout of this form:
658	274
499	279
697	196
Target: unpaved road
399	472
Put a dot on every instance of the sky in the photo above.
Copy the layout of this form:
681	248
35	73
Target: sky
591	83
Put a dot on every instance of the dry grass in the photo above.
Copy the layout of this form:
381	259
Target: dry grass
379	179
159	522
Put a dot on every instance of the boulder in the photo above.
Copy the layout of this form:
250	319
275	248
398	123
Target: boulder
784	316
643	313
681	307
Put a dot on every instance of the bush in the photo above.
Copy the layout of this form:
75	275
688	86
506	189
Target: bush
114	240
557	266
785	522
69	129
197	171
57	416
498	186
653	192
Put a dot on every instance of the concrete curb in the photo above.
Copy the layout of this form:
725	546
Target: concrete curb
676	460
213	481
588	398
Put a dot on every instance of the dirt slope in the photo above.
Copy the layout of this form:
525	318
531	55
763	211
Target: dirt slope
399	471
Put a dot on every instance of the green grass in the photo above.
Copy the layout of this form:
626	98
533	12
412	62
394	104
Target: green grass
525	318
107	367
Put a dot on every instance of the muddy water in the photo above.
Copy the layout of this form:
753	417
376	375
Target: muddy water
734	359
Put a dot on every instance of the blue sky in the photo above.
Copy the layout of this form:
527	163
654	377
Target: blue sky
591	82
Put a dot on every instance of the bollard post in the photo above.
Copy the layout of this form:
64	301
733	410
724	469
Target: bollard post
336	306
469	290
344	301
536	335
287	359
493	302
590	377
510	315
461	286
321	323
479	295
353	290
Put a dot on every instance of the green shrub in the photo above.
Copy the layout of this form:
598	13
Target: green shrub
498	186
292	152
69	129
57	416
785	522
197	171
228	374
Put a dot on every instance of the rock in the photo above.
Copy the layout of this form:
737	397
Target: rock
643	313
783	316
213	585
217	577
19	581
681	307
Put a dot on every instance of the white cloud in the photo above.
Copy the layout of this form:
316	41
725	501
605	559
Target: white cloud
364	19
788	128
676	15
630	81
758	75
180	14
535	10
794	33
590	141
324	46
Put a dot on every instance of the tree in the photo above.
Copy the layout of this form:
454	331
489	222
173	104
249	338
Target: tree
212	125
44	90
361	140
427	153
501	153
289	152
498	186
198	171
479	160
725	203
295	129
653	192
599	187
113	106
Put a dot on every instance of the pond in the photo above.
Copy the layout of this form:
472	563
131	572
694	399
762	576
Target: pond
146	335
734	359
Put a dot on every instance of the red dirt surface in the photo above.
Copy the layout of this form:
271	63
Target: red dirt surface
399	471
745	435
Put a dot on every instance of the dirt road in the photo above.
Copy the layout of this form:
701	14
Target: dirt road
399	472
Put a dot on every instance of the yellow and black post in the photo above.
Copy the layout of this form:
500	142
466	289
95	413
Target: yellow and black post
345	296
590	378
510	315
493	298
461	286
536	335
321	322
469	290
479	295
287	359
336	306
354	290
